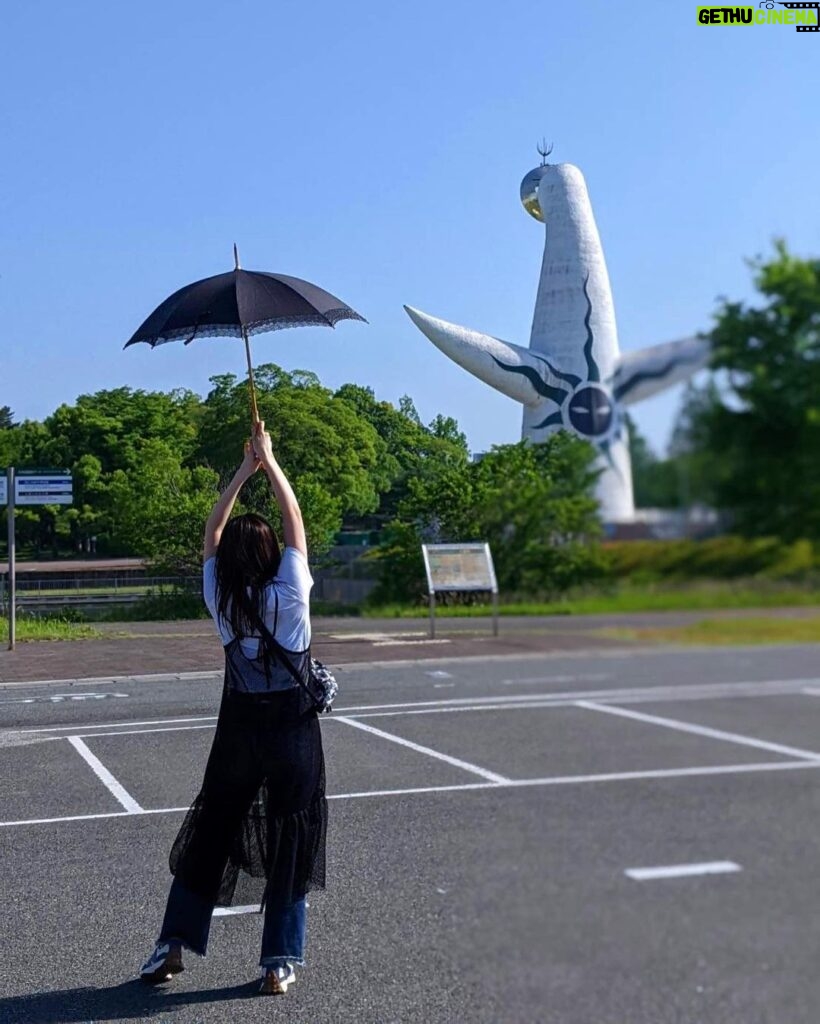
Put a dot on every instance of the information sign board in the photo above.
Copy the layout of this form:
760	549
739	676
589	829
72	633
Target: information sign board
457	567
50	487
4	490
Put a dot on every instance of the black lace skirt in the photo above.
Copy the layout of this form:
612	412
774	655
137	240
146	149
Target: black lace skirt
256	832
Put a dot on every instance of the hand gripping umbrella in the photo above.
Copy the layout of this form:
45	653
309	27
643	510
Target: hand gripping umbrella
238	304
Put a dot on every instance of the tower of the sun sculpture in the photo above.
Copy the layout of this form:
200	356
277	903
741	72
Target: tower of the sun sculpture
572	376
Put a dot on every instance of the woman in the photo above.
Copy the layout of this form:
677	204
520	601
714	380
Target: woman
260	819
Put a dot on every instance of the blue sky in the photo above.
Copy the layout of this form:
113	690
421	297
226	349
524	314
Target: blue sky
377	150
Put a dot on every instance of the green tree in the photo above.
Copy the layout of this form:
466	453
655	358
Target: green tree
757	428
335	458
24	445
540	515
111	425
533	503
411	449
6	418
159	507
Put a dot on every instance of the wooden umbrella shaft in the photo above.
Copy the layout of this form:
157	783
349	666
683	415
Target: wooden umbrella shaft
254	409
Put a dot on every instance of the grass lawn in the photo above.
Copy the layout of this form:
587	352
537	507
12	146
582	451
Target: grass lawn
627	598
128	589
48	629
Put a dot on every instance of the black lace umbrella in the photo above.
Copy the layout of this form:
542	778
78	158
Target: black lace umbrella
238	304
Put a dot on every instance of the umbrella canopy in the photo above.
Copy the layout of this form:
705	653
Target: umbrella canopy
249	299
239	304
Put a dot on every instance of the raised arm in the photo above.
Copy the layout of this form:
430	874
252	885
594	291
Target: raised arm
293	529
221	511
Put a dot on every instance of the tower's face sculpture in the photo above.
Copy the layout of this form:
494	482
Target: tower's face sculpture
591	411
572	376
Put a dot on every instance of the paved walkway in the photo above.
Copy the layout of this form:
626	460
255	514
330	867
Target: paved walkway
153	647
192	646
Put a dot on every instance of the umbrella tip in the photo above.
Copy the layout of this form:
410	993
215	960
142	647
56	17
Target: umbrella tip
236	257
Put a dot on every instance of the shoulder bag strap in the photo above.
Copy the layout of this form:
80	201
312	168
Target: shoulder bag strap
273	644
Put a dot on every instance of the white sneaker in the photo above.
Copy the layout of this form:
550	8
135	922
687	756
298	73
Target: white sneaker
276	980
163	964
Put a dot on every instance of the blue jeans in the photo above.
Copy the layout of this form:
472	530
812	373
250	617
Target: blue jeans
188	922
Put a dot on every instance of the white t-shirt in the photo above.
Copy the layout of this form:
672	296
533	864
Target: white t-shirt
292	585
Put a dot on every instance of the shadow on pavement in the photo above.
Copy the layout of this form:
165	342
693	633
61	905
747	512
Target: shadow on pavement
130	1000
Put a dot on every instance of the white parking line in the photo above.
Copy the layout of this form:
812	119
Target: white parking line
715	867
700	730
594	677
141	732
230	911
117	725
512	703
558	780
696	691
516	704
59	698
456	762
104	775
408	643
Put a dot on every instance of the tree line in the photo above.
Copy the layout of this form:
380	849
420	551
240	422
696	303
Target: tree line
147	467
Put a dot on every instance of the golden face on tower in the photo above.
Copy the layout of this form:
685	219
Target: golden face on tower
529	193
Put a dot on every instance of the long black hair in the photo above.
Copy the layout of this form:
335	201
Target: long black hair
247	559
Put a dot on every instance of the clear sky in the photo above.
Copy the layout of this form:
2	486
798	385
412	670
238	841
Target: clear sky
377	149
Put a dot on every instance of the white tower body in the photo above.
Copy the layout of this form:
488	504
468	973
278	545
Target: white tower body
574	326
573	264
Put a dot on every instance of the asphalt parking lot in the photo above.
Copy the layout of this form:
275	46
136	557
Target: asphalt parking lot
613	837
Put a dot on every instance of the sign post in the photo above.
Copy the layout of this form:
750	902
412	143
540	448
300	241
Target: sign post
29	487
12	554
459	567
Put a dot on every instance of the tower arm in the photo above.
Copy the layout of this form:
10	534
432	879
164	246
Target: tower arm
514	371
644	373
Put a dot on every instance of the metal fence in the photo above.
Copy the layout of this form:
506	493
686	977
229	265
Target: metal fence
36	594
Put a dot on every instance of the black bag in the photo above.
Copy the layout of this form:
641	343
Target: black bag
322	683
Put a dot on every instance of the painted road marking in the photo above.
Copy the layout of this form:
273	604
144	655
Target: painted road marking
513	704
58	698
698	691
456	762
386	639
408	643
440	674
700	730
715	867
104	775
116	725
559	780
142	732
153	677
231	911
594	677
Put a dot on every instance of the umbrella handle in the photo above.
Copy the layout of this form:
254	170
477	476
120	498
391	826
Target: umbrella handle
254	409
